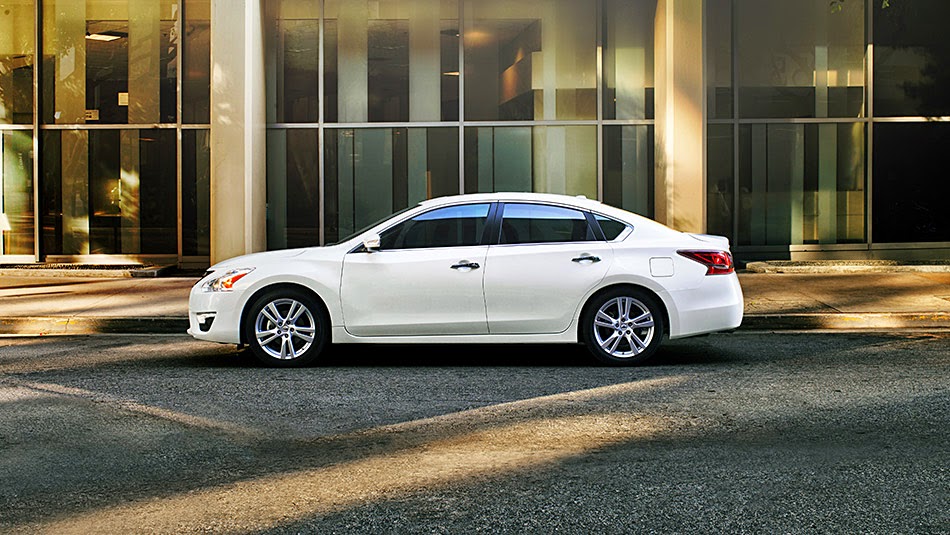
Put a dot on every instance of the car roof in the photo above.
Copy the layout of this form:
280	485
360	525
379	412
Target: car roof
578	201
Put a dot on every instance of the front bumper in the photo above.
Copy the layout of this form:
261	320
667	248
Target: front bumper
215	316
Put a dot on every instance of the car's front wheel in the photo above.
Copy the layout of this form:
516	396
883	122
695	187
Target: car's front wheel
623	326
285	328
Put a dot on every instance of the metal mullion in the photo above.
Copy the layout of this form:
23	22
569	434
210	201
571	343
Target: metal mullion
735	122
600	98
628	122
178	130
461	94
869	147
321	117
805	120
593	122
79	126
20	127
310	126
37	169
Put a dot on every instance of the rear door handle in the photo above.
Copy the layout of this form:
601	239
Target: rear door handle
586	258
466	265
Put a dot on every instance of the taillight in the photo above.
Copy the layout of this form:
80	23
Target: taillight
716	262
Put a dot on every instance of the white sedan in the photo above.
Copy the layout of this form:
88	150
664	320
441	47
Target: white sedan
495	268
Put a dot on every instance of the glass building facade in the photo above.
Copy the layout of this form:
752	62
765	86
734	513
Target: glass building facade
816	129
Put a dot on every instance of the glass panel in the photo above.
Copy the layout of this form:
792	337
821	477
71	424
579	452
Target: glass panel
719	58
530	60
293	61
16	61
628	58
536	223
800	59
391	60
293	195
546	159
371	173
16	192
912	58
720	184
196	192
910	188
110	192
106	63
454	226
196	76
629	168
611	227
801	184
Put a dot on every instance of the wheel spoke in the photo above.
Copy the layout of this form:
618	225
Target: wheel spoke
603	319
627	302
609	340
304	336
634	348
270	312
283	348
636	344
271	335
293	315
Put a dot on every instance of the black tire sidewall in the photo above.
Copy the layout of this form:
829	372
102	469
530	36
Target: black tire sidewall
320	328
587	327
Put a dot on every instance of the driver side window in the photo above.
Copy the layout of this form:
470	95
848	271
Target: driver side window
451	226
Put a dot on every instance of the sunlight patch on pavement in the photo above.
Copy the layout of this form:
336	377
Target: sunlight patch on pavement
139	408
494	441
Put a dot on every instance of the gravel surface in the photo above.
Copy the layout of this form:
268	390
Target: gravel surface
742	433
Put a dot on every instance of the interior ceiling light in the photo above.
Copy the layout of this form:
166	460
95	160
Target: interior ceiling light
106	37
451	73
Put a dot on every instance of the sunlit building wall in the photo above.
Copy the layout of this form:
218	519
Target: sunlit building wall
190	131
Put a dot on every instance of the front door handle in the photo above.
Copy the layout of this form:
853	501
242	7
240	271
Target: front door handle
586	258
466	265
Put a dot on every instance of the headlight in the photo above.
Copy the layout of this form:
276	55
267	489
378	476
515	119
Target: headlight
225	282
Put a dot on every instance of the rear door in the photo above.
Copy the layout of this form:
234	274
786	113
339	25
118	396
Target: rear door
547	259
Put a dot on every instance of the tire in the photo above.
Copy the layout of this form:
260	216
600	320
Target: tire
286	328
623	326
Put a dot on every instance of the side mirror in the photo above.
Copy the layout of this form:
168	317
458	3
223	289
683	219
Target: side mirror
371	243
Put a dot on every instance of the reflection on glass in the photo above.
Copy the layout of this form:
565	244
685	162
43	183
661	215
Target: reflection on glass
110	192
391	60
196	192
911	59
801	184
293	196
293	57
531	60
800	59
718	30
16	62
628	58
106	63
16	192
720	186
629	168
371	173
547	159
196	52
910	188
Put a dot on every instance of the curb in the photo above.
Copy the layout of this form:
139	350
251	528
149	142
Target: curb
868	321
38	326
833	267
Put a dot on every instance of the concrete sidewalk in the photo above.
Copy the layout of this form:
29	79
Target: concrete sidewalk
67	304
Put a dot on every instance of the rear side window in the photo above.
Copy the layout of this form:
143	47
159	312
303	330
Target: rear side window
611	227
452	226
538	223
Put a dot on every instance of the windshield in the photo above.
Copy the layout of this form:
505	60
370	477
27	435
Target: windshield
371	225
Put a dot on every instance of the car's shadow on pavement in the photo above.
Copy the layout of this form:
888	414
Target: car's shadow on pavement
676	353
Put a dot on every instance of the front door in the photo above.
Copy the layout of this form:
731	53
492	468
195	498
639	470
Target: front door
426	278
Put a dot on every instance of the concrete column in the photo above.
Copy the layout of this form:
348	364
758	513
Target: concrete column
238	140
680	115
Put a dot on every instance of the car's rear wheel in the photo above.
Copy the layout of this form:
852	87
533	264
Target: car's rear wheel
623	327
285	328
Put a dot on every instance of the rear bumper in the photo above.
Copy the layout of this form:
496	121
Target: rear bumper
716	305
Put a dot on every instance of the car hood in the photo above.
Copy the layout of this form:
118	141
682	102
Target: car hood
257	259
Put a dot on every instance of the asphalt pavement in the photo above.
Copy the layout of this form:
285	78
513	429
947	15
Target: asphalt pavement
880	298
